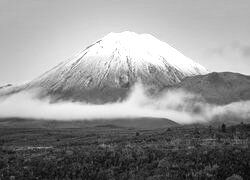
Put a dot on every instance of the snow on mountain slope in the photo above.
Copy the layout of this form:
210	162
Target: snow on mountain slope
107	68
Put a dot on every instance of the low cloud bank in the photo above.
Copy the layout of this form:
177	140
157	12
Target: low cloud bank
179	106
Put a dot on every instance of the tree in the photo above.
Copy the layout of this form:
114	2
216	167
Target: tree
223	128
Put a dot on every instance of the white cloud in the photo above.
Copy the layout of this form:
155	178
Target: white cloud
179	106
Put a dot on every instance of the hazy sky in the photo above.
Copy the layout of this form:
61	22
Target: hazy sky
36	35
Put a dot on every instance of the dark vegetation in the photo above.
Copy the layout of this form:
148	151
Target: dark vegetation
111	152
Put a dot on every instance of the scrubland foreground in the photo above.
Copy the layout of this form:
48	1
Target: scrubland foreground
112	152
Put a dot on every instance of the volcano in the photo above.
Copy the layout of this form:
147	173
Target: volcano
105	70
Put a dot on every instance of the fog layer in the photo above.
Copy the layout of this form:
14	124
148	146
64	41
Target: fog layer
179	106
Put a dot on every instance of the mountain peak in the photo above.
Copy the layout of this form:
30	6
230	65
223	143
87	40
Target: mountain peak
127	34
148	48
115	63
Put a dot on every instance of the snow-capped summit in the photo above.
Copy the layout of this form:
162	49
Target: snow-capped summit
141	49
145	47
113	64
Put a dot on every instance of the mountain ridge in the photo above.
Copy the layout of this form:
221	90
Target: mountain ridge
218	87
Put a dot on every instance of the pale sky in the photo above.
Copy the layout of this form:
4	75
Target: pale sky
36	35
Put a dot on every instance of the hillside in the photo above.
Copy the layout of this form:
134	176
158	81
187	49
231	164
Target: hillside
218	88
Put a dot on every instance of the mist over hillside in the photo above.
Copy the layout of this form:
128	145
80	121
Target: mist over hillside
218	88
182	107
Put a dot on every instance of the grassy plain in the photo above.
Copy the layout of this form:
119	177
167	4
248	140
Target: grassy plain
113	152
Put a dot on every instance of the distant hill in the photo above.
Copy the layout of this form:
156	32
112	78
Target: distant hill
218	88
143	123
